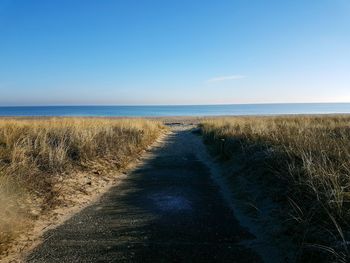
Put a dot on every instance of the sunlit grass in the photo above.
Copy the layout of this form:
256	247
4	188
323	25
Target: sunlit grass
33	152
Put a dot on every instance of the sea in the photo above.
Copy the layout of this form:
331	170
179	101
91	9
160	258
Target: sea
178	110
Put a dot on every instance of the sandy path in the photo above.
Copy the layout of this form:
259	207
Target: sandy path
167	210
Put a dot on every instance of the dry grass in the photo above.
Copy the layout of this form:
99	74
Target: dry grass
33	152
306	161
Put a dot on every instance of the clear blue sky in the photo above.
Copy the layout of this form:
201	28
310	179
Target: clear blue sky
174	52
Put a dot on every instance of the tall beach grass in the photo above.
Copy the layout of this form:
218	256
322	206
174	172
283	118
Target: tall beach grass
306	162
33	152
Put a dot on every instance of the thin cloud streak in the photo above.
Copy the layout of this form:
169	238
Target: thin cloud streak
223	78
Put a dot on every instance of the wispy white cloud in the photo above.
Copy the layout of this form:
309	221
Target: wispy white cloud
223	78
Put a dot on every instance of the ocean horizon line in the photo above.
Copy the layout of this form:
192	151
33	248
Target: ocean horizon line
168	105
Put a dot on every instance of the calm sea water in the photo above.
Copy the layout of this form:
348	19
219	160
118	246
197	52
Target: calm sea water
195	110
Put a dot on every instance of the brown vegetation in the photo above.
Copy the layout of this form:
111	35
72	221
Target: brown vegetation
37	154
305	161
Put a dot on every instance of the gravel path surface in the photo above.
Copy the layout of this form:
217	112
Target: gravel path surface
167	210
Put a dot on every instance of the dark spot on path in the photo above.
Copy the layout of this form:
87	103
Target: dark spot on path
171	203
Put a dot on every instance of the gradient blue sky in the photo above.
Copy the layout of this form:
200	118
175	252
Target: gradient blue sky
63	52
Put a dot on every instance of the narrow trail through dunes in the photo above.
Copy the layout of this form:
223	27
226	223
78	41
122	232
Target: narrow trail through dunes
167	210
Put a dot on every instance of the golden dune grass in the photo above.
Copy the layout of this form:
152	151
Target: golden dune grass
33	152
310	157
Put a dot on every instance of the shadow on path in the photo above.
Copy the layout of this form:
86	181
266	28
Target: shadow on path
168	210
